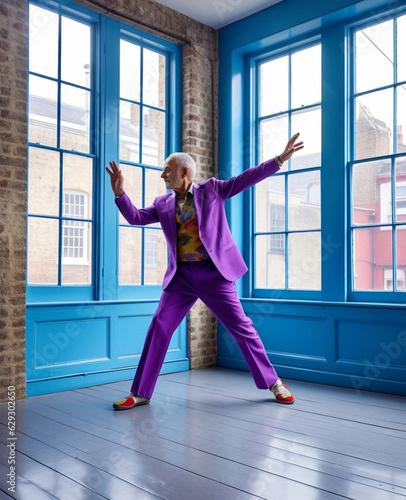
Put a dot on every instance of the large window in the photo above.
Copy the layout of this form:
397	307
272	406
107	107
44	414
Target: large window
98	91
61	153
355	184
287	219
143	133
378	161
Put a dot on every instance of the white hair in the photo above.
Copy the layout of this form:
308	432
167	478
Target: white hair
184	160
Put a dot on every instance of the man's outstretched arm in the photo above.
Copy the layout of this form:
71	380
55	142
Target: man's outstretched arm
252	176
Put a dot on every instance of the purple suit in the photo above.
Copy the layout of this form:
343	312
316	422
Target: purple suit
213	281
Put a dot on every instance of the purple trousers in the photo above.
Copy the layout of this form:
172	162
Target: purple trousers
201	280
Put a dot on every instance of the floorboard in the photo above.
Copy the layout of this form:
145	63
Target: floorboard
208	435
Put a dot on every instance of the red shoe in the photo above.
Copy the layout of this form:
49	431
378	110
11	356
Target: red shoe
282	393
130	402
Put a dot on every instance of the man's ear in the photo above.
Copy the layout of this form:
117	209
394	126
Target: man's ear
184	172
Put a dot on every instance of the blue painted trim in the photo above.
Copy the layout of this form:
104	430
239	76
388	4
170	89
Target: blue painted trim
128	292
333	172
39	293
110	68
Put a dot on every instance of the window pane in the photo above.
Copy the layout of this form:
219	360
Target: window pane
155	256
76	253
154	185
304	201
133	185
372	254
153	79
270	261
372	193
75	57
306	77
401	119
130	57
129	132
75	115
130	244
274	94
42	111
78	177
374	56
400	190
273	138
153	137
308	123
269	194
374	124
43	182
401	41
304	261
401	258
43	46
42	254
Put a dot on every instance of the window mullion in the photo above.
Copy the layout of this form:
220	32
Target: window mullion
394	226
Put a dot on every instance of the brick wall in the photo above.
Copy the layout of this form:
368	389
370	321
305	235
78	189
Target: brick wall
199	138
13	193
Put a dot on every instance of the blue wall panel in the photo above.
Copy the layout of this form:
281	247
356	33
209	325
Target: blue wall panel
372	340
63	343
131	335
310	338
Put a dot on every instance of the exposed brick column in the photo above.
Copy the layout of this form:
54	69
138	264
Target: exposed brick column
198	139
13	193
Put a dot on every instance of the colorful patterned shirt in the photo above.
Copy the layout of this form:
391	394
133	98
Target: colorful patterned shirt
190	248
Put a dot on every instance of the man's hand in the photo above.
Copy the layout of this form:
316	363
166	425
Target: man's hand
291	147
116	179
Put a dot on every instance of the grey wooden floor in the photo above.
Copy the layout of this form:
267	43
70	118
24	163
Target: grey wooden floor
209	435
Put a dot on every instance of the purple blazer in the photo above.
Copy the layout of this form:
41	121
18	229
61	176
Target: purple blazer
214	232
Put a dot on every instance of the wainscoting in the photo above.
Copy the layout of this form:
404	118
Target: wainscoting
355	346
70	346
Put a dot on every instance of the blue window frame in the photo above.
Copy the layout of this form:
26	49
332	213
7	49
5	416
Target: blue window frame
286	208
91	100
377	166
144	112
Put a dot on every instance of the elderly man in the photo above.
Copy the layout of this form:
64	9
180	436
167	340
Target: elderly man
204	263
